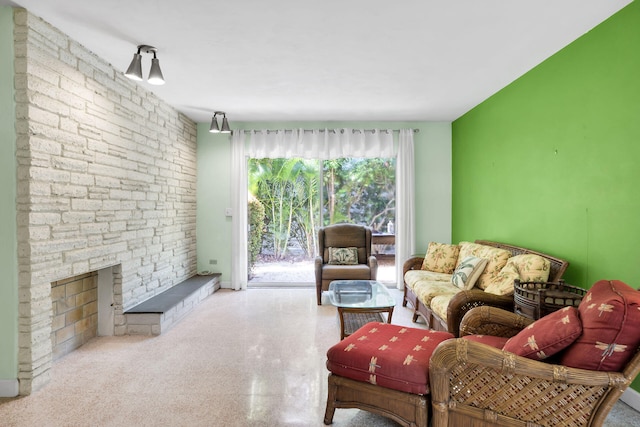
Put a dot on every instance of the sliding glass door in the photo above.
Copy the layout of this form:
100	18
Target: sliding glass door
291	198
363	191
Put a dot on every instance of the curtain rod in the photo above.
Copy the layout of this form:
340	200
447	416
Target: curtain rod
336	130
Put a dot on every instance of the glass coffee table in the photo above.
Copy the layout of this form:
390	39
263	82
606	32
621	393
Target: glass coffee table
359	302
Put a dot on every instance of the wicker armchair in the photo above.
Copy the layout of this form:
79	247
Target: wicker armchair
473	384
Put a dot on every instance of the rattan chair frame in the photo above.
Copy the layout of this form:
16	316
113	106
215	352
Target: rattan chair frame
475	385
407	409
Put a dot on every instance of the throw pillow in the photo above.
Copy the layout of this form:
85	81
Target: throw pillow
496	259
503	283
610	314
468	271
343	256
547	335
526	267
531	267
441	258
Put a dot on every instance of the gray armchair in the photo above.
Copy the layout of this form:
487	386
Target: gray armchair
344	236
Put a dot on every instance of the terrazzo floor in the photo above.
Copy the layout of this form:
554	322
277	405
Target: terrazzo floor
247	358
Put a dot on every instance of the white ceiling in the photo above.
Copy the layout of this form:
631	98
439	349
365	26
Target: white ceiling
330	60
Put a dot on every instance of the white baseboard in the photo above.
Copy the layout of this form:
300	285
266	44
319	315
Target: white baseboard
9	388
631	398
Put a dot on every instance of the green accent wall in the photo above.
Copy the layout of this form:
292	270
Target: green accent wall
8	248
551	161
432	150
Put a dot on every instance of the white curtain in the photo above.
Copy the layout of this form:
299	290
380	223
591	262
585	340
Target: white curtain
239	269
322	145
405	194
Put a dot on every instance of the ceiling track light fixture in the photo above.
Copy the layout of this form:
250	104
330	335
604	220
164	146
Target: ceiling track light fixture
214	123
134	72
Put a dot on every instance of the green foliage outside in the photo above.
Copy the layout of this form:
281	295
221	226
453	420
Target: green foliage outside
256	229
359	191
288	190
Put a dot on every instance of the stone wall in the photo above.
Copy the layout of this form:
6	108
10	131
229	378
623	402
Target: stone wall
106	176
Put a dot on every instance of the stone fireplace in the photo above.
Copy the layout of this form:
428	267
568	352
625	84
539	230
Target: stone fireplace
106	189
74	306
82	308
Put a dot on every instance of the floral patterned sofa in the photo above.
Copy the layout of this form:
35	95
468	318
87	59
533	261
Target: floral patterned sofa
452	279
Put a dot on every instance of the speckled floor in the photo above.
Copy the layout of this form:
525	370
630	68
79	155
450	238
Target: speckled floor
251	358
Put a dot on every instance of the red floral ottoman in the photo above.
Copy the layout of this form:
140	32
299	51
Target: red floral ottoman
384	369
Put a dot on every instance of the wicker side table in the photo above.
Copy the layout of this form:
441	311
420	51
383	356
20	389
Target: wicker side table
537	299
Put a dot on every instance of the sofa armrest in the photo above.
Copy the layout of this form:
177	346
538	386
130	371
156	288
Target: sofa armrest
486	320
473	381
464	301
413	263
